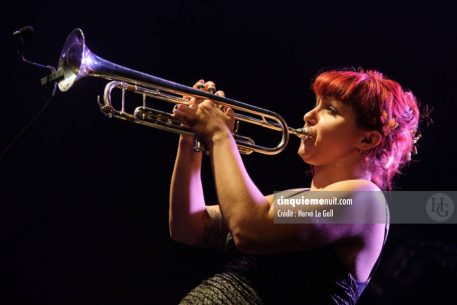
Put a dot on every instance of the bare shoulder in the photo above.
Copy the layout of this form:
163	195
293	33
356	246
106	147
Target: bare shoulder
353	185
361	190
367	216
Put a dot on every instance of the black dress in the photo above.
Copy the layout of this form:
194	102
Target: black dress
309	277
315	276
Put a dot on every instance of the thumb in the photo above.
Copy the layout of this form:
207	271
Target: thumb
229	112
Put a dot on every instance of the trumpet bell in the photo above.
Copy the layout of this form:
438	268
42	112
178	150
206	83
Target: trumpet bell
71	60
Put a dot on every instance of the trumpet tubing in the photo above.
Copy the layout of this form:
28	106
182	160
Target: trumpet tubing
77	61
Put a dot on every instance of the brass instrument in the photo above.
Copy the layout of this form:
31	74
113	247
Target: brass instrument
77	61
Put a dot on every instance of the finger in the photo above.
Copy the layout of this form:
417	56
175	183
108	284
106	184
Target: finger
183	113
193	104
184	108
210	87
186	97
229	112
180	115
221	107
233	123
220	93
200	85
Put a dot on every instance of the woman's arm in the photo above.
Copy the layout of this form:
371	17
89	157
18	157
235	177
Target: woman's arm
190	220
187	204
242	204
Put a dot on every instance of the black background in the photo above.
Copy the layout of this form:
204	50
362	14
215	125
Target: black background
84	199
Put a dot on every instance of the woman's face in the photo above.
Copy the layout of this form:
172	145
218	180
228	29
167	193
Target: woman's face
333	133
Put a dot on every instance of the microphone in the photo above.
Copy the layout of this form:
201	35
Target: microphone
25	33
21	34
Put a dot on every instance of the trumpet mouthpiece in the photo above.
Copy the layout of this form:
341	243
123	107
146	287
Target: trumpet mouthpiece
301	132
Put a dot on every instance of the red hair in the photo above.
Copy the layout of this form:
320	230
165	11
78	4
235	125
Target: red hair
379	104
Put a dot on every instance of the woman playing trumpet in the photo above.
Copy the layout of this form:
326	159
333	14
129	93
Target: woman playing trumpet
360	133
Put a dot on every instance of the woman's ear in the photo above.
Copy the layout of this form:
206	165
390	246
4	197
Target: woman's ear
370	139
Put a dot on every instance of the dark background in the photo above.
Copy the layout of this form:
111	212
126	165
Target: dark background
84	199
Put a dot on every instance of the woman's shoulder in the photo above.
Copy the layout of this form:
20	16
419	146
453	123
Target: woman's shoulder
354	185
346	186
362	191
366	192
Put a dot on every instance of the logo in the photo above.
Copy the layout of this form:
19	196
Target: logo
440	207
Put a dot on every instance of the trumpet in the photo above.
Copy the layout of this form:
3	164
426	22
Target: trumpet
77	61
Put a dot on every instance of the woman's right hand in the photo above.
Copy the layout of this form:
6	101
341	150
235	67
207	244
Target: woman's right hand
194	102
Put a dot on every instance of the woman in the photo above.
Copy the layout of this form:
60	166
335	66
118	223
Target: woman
361	132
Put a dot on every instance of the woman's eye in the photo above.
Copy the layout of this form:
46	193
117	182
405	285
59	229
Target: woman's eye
331	109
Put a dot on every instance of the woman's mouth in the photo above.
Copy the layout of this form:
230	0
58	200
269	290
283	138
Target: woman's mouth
307	137
309	134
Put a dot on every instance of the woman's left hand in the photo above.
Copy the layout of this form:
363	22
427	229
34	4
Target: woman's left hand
206	119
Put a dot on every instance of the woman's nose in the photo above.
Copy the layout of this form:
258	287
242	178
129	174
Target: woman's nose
310	118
